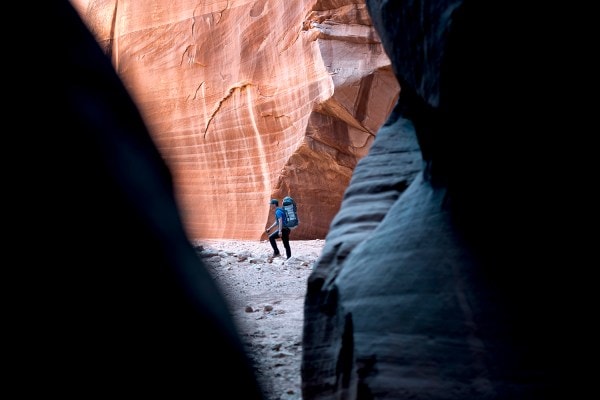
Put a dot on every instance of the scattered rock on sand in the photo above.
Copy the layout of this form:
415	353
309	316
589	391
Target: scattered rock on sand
266	297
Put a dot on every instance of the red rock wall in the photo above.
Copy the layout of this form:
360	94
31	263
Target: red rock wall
249	100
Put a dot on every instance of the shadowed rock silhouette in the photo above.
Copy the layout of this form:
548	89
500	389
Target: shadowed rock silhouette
113	299
440	274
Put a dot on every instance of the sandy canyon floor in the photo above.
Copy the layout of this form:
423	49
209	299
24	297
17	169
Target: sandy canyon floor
266	297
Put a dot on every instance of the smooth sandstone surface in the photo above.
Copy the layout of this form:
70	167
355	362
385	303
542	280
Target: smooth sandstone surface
249	100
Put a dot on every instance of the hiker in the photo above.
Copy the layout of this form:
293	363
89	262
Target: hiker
282	231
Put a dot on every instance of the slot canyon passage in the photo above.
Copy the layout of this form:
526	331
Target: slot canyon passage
454	282
266	298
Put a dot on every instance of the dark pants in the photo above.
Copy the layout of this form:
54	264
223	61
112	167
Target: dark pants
285	238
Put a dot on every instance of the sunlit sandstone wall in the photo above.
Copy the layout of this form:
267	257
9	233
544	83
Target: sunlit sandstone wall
248	100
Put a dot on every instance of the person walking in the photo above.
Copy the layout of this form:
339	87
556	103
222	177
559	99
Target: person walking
282	231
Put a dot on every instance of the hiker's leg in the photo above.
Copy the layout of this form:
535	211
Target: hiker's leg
272	238
285	238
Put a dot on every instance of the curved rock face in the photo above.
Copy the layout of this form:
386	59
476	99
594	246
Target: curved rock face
443	273
129	306
250	100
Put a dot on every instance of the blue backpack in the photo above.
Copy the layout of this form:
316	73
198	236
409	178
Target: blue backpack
290	212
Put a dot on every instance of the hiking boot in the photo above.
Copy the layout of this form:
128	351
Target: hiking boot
276	254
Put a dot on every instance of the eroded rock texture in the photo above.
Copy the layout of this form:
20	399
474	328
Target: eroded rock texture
443	274
249	100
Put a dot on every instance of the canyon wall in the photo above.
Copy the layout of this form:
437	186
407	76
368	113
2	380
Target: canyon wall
250	100
446	273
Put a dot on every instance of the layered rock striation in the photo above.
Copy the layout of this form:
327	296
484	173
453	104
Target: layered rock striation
446	272
249	100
